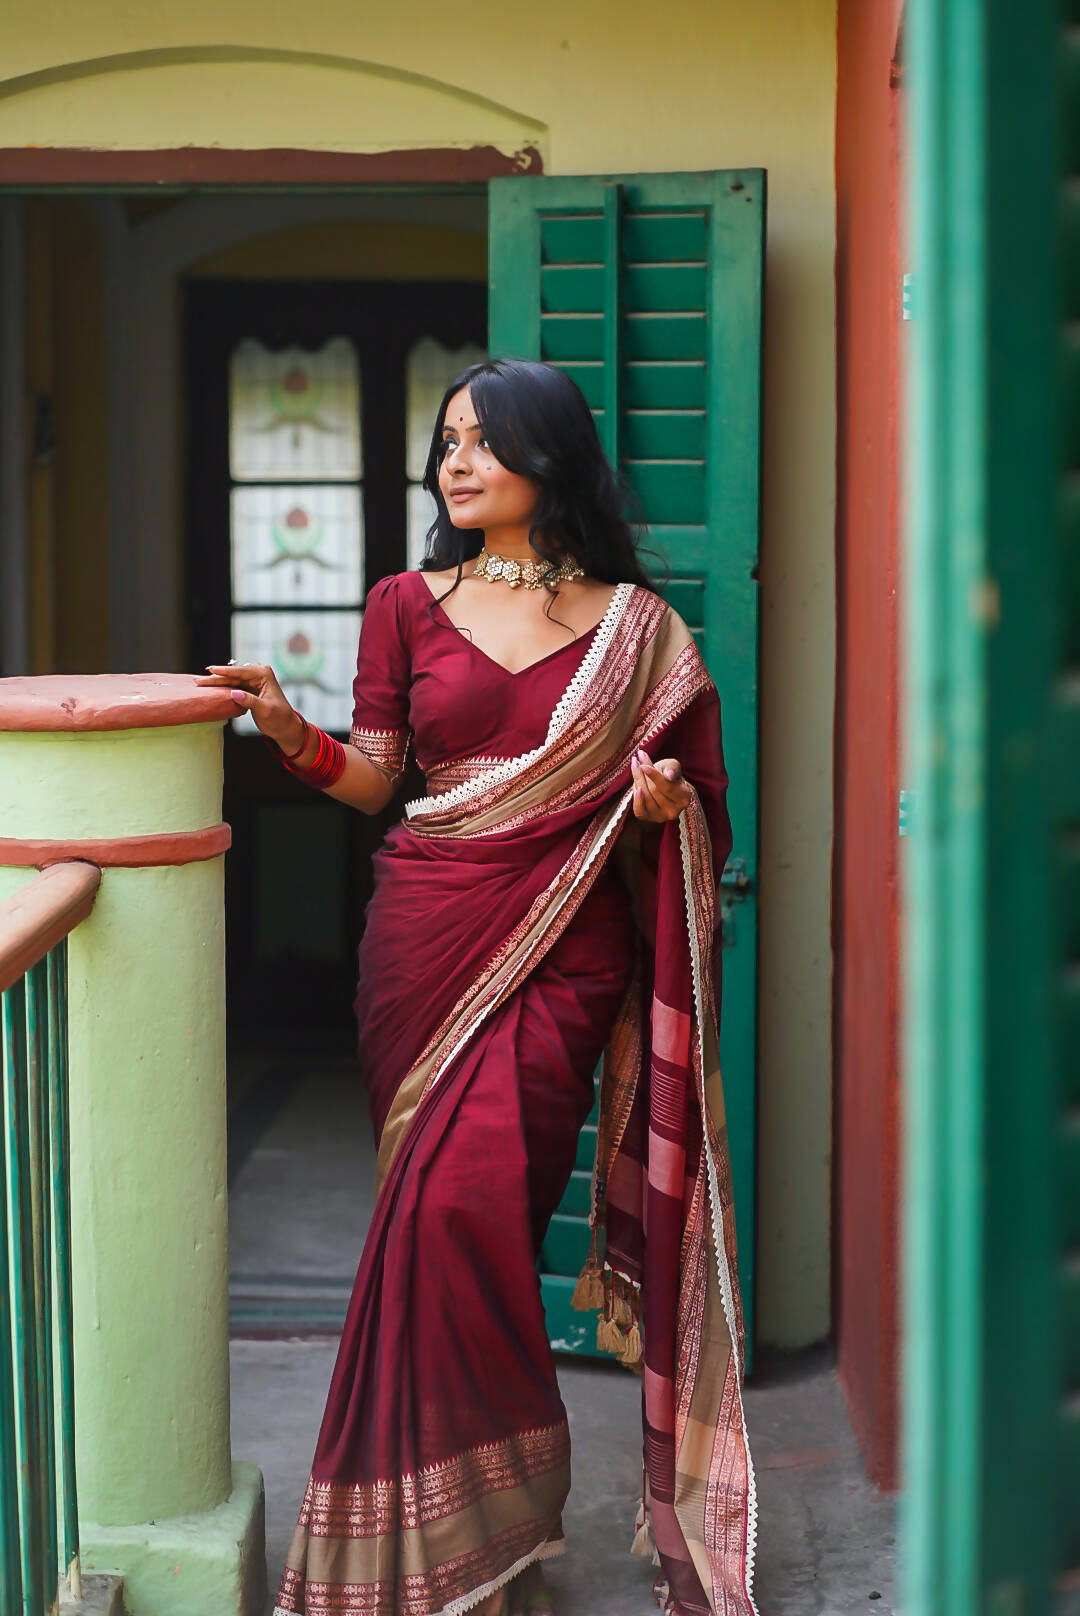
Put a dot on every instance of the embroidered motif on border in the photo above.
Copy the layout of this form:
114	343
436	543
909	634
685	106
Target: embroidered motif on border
386	748
339	1509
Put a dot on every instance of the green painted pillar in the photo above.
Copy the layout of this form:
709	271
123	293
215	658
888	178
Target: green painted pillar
126	771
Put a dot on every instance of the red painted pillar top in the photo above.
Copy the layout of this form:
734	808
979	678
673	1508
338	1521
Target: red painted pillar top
103	701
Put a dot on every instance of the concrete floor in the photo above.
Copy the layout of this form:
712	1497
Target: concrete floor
299	1203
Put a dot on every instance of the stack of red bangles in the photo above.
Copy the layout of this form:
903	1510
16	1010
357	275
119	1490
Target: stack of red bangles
328	764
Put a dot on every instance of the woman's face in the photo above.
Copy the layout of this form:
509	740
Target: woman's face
478	490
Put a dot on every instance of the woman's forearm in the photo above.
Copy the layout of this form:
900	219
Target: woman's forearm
361	784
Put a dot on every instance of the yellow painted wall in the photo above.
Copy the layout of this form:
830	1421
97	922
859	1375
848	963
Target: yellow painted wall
594	87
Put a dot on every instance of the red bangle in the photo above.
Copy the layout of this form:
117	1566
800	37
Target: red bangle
325	768
289	756
328	764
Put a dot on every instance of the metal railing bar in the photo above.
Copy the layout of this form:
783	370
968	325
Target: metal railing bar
26	1327
42	913
37	1051
11	1591
61	1190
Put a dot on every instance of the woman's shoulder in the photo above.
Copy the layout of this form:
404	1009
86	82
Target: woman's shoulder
390	606
395	592
390	586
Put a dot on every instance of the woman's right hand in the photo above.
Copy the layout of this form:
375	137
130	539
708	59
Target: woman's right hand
254	687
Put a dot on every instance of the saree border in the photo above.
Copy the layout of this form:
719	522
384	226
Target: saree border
647	637
568	892
703	1005
368	1599
502	773
686	672
435	1491
363	1548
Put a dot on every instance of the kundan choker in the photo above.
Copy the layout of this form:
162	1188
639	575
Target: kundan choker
527	574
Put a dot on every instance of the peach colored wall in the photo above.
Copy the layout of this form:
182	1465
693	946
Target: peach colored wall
866	926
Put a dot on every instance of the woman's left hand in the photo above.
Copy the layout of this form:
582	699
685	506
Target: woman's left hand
660	791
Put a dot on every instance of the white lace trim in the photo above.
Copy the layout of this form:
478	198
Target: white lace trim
543	1551
565	710
726	1293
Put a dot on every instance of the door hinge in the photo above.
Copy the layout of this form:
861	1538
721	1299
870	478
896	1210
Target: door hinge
907	296
906	815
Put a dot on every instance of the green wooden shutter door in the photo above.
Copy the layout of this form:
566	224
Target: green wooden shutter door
647	290
991	1510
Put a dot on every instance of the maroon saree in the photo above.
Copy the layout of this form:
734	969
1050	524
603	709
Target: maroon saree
523	925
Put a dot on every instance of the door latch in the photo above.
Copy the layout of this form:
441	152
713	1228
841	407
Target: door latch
735	887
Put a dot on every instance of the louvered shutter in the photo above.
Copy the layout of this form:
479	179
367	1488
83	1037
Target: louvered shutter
647	290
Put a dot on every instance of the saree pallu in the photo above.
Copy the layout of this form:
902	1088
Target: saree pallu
509	957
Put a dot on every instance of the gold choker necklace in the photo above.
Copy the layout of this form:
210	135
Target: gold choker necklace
527	574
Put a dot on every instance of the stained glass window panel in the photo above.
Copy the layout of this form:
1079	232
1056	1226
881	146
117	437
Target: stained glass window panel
294	413
420	515
297	546
430	369
313	655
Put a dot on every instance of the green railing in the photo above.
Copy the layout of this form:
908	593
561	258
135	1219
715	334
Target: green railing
39	1523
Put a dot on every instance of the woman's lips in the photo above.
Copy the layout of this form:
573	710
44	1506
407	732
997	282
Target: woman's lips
459	495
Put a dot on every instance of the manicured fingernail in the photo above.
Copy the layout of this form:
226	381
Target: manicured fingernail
670	773
237	695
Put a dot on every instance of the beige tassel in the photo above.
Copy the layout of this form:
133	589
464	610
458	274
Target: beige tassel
643	1539
642	1543
609	1338
589	1290
632	1352
621	1311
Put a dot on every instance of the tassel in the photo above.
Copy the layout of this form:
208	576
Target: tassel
609	1338
621	1311
643	1539
589	1290
633	1351
642	1543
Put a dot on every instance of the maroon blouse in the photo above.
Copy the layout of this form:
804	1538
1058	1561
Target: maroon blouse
420	678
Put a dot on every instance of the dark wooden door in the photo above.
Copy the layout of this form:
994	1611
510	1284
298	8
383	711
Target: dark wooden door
301	480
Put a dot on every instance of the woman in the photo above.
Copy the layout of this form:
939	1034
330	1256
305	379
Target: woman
550	900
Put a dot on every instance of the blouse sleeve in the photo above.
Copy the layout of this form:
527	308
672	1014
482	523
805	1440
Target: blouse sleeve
380	718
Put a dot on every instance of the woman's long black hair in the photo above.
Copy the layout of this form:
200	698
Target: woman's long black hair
538	425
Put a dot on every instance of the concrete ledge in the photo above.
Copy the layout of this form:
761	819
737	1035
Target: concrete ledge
101	1596
212	1564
